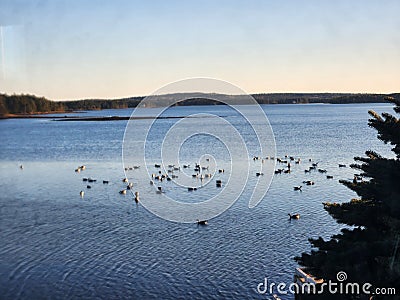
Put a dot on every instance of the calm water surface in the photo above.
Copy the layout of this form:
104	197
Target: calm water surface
53	244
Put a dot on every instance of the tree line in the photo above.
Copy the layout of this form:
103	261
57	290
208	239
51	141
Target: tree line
30	104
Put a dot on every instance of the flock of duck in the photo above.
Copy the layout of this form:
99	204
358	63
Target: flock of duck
288	161
91	180
202	173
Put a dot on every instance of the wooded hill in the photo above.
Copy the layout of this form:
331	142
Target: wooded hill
30	104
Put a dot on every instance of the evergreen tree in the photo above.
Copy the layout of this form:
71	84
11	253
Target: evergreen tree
370	252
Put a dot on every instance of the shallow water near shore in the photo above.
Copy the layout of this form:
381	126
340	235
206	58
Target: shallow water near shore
55	244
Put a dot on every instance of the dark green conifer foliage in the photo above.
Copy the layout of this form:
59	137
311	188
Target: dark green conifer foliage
369	252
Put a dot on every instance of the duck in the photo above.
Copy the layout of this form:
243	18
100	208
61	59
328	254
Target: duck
190	189
295	216
21	167
297	188
202	222
123	192
221	170
157	166
329	177
259	174
342	166
125	180
88	187
84	179
136	197
105	181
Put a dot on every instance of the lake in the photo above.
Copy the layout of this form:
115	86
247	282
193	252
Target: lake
55	244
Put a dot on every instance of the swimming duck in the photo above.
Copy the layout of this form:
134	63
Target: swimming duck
202	222
295	216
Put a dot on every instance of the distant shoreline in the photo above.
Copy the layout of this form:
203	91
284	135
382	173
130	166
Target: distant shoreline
30	106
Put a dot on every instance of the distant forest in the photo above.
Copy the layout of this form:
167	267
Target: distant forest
30	104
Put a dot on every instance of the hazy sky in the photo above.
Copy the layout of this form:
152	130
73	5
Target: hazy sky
108	49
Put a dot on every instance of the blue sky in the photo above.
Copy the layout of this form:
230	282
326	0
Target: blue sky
108	49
